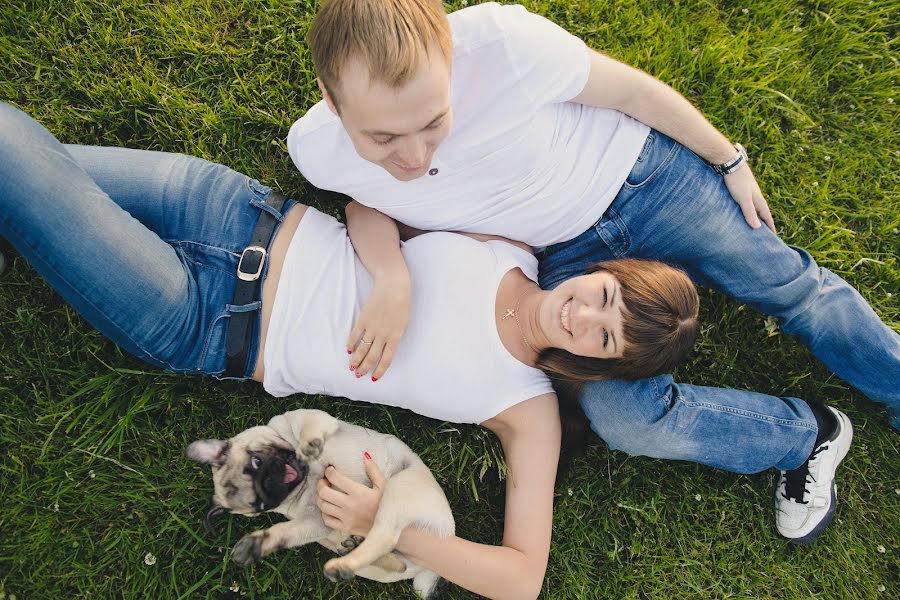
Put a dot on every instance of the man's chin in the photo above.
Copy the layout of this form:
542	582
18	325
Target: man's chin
404	175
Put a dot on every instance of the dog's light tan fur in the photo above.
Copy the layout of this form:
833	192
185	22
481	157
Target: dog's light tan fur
411	495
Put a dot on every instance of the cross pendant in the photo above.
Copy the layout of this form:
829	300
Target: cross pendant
510	312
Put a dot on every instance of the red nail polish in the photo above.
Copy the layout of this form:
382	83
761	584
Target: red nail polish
367	455
349	351
352	368
374	378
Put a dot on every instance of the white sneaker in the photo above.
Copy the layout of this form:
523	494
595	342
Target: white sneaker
805	497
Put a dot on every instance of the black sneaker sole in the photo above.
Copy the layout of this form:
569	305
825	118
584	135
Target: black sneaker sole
823	524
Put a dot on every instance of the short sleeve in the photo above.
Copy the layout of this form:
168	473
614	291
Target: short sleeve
553	64
317	129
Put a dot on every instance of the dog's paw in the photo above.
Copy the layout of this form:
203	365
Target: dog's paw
312	449
249	549
349	544
337	568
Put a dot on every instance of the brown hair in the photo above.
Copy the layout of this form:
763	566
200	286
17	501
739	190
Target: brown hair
660	325
392	37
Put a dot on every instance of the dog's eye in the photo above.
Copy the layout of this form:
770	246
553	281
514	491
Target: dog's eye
255	462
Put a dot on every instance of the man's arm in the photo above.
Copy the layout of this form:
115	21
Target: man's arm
612	84
384	317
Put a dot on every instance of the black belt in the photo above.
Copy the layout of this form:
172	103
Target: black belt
247	288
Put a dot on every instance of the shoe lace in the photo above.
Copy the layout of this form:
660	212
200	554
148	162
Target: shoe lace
795	481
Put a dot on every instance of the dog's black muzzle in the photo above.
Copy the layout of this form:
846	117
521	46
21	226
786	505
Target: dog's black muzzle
279	475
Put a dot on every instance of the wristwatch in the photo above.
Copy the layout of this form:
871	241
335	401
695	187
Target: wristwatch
732	165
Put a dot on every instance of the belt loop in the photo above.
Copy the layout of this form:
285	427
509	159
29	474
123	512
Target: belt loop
264	205
244	308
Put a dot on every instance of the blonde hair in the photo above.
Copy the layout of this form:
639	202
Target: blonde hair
391	37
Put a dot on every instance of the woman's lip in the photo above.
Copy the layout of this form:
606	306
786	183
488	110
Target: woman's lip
564	311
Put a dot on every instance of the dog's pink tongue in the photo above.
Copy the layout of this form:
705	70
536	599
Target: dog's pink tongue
289	474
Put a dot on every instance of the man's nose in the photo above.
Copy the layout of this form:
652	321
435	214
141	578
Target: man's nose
413	152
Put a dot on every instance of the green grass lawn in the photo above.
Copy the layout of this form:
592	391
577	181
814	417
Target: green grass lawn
93	481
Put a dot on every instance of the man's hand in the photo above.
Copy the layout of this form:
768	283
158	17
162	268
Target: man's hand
380	326
349	506
745	191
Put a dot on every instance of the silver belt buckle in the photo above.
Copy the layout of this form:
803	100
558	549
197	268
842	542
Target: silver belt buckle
251	275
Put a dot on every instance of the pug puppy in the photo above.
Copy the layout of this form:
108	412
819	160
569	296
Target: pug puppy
274	468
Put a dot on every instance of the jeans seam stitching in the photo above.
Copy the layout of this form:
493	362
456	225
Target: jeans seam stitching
748	413
209	334
193	261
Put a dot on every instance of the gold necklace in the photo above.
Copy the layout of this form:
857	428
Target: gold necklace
514	313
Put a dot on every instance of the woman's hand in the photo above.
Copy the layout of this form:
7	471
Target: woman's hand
745	191
380	326
384	317
349	506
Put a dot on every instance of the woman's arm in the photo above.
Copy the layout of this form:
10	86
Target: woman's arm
384	316
530	435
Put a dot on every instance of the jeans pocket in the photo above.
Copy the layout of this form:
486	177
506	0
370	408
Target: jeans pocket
211	360
612	230
658	151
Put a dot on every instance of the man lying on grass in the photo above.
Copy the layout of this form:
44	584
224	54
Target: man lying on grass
498	121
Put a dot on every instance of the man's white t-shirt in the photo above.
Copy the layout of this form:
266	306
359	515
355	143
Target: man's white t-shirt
520	160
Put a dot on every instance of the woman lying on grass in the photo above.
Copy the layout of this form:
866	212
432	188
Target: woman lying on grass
165	253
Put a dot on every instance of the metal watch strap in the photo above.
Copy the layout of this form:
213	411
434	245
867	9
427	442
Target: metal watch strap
732	165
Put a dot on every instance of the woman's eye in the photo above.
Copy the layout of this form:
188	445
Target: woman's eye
383	142
255	462
605	338
605	298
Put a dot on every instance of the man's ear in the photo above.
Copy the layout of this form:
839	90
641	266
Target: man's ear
209	452
327	97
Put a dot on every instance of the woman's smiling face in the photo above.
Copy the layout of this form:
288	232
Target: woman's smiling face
585	316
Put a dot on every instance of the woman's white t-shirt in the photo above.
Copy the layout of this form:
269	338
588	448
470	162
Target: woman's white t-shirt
450	363
520	160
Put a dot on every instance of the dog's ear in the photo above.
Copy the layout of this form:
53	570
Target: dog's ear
209	452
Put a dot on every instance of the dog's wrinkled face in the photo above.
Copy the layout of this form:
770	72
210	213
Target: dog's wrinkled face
253	472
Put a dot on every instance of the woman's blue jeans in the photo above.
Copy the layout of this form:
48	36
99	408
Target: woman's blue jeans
144	245
674	208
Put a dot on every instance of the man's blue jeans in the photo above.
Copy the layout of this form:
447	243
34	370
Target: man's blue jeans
144	245
674	208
